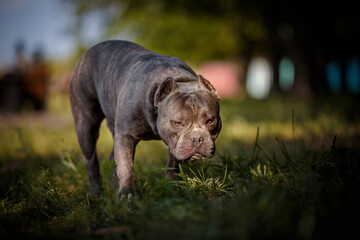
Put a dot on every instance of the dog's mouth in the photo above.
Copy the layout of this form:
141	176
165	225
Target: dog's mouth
195	157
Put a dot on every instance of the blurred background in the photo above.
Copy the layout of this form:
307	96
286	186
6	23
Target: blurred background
269	60
288	73
245	48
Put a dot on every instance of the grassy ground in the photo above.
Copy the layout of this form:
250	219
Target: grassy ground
284	168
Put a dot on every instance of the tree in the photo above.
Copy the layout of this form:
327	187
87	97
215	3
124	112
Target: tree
221	29
192	30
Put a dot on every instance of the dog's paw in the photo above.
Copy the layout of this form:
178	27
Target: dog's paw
95	191
126	196
172	175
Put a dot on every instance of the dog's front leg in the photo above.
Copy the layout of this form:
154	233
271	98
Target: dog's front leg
124	150
172	168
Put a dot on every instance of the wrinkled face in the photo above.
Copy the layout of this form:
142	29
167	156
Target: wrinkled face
189	123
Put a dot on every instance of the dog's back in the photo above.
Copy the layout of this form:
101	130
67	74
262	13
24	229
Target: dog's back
104	69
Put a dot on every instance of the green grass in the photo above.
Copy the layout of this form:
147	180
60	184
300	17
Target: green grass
284	169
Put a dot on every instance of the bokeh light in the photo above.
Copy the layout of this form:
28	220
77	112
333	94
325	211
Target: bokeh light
333	75
353	75
286	74
259	78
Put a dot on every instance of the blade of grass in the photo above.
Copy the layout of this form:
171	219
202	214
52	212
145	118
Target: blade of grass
284	150
333	144
255	146
293	129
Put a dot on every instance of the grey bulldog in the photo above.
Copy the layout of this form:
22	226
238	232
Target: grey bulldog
143	95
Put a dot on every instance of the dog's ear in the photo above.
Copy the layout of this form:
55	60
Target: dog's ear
165	88
216	131
206	83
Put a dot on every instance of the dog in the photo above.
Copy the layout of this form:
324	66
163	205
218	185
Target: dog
143	95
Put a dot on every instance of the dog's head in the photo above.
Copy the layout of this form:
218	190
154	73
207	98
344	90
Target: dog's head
188	119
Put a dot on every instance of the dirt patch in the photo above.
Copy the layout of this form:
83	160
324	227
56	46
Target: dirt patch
46	120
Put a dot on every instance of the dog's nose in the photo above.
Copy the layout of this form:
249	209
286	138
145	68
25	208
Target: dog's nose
197	140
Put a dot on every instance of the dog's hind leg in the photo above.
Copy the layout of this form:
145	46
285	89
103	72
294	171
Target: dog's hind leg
114	178
87	123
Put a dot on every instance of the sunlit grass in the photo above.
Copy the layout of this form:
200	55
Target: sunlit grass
279	171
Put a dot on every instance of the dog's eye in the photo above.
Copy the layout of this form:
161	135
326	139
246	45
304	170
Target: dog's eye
210	121
177	124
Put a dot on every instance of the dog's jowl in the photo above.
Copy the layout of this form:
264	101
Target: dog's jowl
143	95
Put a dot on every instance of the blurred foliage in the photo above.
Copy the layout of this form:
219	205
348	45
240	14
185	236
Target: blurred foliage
208	29
309	33
192	30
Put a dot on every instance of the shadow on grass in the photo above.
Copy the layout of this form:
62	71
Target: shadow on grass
253	195
282	186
